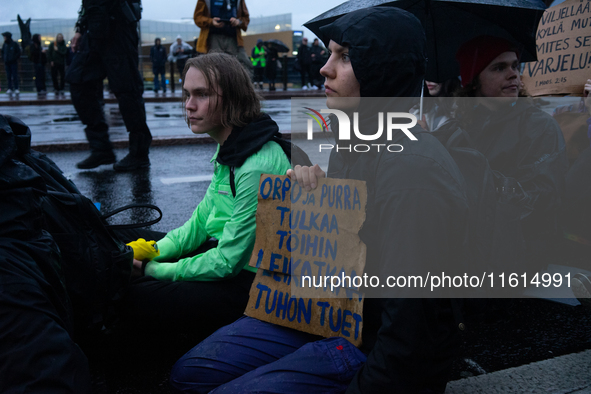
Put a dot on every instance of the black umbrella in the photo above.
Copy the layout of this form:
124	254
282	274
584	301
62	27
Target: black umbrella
449	23
277	44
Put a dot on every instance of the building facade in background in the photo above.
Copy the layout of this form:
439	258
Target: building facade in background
265	27
149	29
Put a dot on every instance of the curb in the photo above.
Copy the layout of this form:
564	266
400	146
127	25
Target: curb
110	99
168	141
570	373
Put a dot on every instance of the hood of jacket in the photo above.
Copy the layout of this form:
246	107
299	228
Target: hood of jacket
244	142
387	47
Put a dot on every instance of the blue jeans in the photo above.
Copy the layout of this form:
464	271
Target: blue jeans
160	70
12	75
251	356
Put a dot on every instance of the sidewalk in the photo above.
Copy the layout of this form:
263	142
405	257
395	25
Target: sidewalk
565	374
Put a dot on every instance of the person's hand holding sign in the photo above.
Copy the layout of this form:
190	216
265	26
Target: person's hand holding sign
307	177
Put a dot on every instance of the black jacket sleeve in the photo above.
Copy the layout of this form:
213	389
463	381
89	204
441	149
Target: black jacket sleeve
422	214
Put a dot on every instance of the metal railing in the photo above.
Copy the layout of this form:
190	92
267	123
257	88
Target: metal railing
287	74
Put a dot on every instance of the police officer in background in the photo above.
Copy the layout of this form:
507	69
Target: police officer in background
106	45
259	63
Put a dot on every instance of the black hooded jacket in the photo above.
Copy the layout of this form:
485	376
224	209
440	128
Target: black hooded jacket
36	321
526	150
244	142
416	211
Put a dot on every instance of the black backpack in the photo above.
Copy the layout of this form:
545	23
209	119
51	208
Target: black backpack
96	264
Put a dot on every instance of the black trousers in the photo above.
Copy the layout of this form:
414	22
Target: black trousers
180	64
58	76
316	78
40	77
259	73
306	70
114	57
158	308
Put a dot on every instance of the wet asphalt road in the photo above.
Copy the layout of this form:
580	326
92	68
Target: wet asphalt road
176	182
519	333
60	123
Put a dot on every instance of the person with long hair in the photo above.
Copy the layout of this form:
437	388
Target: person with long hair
56	54
197	282
524	146
39	59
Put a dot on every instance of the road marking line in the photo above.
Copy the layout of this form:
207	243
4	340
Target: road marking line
186	179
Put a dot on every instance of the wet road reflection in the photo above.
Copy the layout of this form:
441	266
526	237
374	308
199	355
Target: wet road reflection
60	123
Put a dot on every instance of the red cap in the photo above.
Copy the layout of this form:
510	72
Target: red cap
476	54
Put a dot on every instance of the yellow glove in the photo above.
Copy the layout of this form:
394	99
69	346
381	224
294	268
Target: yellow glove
144	250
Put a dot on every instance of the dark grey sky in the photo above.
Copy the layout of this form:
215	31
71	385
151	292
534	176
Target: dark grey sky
301	10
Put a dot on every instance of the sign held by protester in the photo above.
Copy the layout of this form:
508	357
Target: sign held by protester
563	42
302	240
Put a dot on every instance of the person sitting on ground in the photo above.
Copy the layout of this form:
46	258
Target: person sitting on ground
524	145
196	282
415	198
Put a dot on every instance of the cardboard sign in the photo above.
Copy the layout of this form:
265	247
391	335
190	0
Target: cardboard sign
563	43
270	300
301	238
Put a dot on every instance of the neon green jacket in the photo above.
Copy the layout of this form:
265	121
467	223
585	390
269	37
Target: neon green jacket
230	220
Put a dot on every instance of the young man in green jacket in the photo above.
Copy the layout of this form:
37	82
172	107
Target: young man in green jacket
196	282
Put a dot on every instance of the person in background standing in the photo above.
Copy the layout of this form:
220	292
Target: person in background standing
197	285
158	58
56	54
106	45
305	61
271	68
181	52
259	61
11	52
39	60
318	59
221	22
